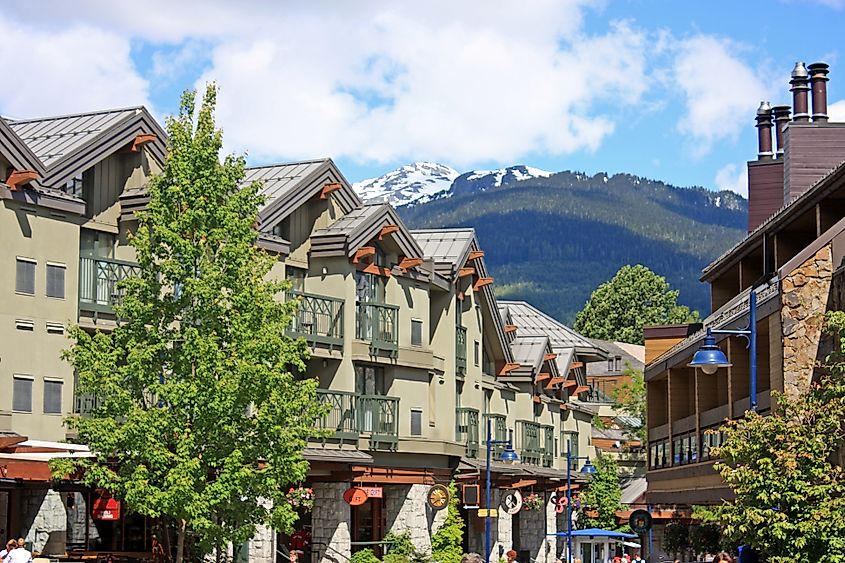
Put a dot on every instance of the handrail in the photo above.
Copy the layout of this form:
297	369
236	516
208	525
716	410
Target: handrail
318	318
98	281
466	429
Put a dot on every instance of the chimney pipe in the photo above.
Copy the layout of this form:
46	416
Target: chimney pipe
781	114
800	86
818	78
764	132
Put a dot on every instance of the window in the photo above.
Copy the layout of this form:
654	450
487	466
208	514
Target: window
22	394
369	380
55	328
296	277
25	276
416	422
74	186
56	280
477	352
618	362
416	332
610	364
53	396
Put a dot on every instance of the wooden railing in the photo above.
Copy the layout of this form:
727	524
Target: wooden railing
352	415
548	445
377	324
98	282
528	443
466	429
318	319
461	350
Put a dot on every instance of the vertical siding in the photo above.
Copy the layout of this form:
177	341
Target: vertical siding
765	190
811	151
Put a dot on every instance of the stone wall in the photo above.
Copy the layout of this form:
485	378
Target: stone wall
804	293
501	532
331	520
262	547
406	510
44	521
534	527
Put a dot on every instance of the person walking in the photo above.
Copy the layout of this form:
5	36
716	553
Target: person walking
20	554
10	545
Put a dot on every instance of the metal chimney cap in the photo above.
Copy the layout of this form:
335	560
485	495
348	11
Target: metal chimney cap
800	70
764	108
819	68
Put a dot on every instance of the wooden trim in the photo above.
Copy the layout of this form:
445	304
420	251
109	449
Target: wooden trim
570	383
581	389
554	381
510	328
20	177
408	263
524	483
329	188
542	377
575	365
475	255
481	282
464	272
508	367
536	399
377	270
387	230
363	252
141	140
549	357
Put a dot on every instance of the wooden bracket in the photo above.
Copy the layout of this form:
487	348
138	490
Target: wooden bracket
522	483
508	367
549	357
363	252
20	177
510	328
377	270
536	399
581	389
542	377
575	365
329	188
570	383
141	140
464	272
481	282
475	255
407	263
388	229
554	381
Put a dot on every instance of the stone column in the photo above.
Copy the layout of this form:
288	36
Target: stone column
331	520
534	525
406	510
44	521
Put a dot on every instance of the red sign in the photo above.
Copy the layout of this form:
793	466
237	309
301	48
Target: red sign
355	496
106	509
374	492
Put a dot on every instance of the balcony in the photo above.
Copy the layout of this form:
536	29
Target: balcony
376	323
499	430
352	415
461	350
548	445
466	429
528	442
341	419
84	403
98	281
318	319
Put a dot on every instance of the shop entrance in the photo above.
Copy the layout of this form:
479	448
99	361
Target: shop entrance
368	526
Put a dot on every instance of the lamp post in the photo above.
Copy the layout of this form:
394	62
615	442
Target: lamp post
588	468
508	456
710	357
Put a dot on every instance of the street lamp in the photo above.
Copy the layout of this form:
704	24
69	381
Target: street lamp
710	357
589	469
508	456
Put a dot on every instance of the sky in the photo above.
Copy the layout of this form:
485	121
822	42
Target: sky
663	89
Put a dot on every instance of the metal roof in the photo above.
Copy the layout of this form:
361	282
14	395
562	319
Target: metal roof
531	321
447	247
529	350
281	180
16	151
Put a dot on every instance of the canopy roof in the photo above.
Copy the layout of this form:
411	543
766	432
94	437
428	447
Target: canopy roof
597	533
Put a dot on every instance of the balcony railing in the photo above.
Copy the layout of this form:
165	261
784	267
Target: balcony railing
499	429
528	442
84	403
466	429
548	445
377	324
341	419
318	319
461	350
350	415
98	281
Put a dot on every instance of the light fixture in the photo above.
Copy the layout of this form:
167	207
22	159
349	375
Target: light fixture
509	456
709	357
588	468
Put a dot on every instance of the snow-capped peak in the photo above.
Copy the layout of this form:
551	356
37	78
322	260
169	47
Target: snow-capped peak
516	173
413	183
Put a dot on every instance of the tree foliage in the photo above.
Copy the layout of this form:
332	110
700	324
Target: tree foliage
629	398
635	297
603	495
676	538
790	492
447	542
201	420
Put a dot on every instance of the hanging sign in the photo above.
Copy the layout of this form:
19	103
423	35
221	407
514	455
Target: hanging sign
640	521
560	501
511	501
355	496
105	509
438	497
373	492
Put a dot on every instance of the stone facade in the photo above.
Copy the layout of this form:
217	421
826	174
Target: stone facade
406	510
534	529
804	294
262	547
331	521
45	521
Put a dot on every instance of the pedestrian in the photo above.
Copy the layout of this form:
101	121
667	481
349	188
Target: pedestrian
10	545
725	557
511	555
471	558
20	554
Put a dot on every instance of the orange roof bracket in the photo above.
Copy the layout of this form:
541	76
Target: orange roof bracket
549	357
537	399
570	383
141	140
377	270
554	381
581	389
408	263
542	377
464	272
576	365
475	255
481	282
329	188
522	483
386	230
363	252
510	328
508	367
20	177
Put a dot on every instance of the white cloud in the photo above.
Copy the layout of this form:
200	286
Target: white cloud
721	91
734	178
836	111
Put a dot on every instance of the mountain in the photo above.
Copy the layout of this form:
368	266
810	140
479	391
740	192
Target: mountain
411	184
552	238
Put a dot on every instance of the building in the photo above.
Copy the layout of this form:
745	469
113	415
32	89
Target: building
792	260
413	353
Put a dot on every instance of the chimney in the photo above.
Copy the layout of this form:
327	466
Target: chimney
764	132
800	85
781	114
818	78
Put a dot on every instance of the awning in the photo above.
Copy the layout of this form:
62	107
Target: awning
596	533
522	470
337	456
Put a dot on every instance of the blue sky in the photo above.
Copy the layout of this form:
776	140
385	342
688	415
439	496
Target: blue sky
662	89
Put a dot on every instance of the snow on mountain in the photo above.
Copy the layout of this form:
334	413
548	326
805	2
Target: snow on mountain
413	183
483	180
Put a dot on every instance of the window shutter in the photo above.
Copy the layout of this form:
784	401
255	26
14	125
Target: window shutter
52	397
416	333
416	423
55	281
22	395
25	277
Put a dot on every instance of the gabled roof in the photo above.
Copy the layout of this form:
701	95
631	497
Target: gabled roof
534	322
70	144
287	186
355	229
449	248
530	351
17	152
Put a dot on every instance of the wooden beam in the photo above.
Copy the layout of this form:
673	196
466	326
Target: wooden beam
464	272
554	381
570	383
377	270
524	483
481	282
20	177
408	263
141	140
363	252
576	365
536	399
329	188
508	367
510	328
542	377
549	357
581	389
388	229
475	255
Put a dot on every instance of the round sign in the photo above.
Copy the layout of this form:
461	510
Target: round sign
355	496
640	521
438	497
511	502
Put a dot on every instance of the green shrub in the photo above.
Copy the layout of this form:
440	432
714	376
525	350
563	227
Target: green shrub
366	555
446	542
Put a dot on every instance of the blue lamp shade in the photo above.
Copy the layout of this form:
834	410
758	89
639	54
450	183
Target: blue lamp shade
709	357
509	455
588	468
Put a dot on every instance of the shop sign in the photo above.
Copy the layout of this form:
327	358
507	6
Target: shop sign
373	492
438	497
105	509
511	501
640	521
355	496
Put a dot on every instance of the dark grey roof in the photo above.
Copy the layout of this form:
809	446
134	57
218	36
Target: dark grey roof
448	248
531	321
337	456
16	150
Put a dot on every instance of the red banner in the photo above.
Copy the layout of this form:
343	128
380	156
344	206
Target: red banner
106	509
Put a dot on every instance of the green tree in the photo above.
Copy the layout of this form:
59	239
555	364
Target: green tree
447	542
201	420
603	495
789	492
635	297
676	537
630	399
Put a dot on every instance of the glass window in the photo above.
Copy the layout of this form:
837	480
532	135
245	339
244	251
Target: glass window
296	277
416	332
56	281
416	422
22	394
368	288
477	352
369	380
52	396
25	276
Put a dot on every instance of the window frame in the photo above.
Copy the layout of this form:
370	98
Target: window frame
34	263
414	323
63	269
21	377
48	381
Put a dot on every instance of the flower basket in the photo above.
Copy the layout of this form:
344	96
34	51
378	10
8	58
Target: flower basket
533	501
301	498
